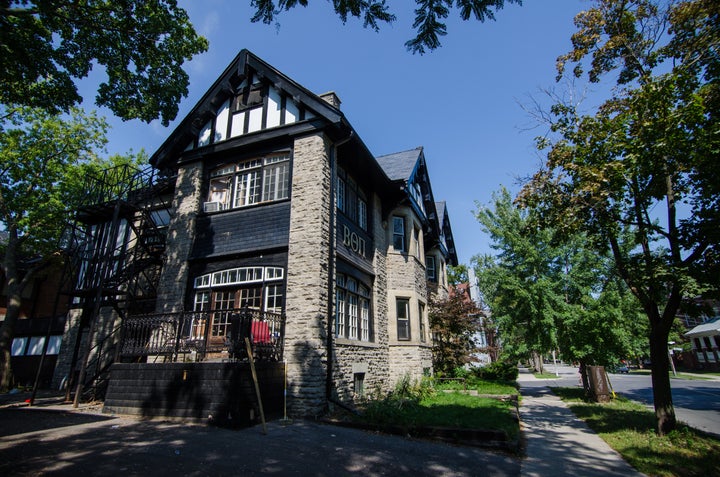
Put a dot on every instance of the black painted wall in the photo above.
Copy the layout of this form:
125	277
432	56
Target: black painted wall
220	394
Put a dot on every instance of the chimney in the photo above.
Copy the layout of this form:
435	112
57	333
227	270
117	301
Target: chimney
331	98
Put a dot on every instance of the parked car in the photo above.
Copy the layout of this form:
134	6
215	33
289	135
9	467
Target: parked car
621	368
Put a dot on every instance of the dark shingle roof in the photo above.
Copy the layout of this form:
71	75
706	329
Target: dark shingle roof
400	165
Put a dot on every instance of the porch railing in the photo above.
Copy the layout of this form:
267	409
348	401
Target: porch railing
203	335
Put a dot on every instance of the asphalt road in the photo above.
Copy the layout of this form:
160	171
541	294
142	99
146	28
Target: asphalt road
697	402
36	442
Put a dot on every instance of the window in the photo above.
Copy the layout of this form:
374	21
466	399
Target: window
399	234
223	302
362	214
257	288
18	346
276	178
33	345
352	309
351	200
364	313
421	317
341	194
340	313
249	182
416	242
430	271
402	305
359	384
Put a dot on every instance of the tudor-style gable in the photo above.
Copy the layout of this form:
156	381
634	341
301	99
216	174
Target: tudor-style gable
250	102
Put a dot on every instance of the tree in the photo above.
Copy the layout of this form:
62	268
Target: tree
141	45
42	161
453	322
601	321
429	15
552	291
517	283
640	176
457	275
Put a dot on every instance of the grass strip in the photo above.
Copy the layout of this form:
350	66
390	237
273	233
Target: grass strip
629	428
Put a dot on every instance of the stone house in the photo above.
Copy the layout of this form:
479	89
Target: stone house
279	207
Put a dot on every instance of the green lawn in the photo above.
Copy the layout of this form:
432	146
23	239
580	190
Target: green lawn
628	427
545	375
446	409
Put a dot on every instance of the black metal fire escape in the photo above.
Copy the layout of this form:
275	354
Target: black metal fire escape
115	244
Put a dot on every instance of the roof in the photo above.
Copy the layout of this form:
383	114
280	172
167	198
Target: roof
400	165
709	328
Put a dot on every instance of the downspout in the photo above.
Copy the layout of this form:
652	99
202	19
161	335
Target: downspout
331	267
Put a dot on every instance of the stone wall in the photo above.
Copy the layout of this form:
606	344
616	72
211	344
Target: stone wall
307	278
181	233
370	359
410	360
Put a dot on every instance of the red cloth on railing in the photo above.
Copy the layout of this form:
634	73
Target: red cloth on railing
260	332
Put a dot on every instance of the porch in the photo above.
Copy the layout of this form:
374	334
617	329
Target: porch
217	335
195	366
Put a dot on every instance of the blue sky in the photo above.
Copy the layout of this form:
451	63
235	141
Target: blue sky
461	102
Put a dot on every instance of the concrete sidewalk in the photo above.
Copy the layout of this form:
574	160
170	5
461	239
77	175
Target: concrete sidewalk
559	444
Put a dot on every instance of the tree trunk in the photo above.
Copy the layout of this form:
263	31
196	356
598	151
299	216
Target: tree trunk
584	378
13	289
662	395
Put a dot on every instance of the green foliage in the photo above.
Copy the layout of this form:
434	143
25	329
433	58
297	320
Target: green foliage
497	371
412	405
639	176
453	323
141	45
517	283
38	159
457	275
429	15
407	394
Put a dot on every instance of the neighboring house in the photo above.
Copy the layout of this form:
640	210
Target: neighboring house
39	328
705	339
281	214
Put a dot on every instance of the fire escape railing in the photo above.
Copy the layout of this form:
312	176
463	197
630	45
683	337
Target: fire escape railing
198	336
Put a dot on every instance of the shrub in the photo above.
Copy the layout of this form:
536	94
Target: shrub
497	371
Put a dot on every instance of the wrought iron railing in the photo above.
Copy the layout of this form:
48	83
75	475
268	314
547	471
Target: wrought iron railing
203	335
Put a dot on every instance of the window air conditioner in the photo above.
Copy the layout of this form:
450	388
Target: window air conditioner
212	206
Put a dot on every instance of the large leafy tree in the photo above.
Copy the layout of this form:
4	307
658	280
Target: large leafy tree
45	45
42	161
640	175
553	291
517	282
429	15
